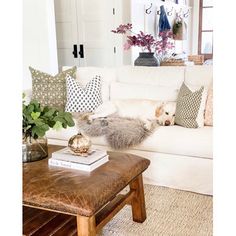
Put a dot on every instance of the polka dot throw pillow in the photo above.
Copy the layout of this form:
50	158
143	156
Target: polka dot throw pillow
83	99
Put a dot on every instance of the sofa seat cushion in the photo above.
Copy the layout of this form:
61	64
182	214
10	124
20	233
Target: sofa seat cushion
180	141
175	140
172	140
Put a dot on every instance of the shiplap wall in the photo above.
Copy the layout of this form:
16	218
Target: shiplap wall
39	38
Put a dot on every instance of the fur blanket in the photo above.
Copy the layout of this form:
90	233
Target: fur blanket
120	133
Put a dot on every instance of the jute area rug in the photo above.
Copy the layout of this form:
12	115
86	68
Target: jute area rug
170	212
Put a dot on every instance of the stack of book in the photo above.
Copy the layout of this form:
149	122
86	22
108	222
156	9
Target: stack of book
65	158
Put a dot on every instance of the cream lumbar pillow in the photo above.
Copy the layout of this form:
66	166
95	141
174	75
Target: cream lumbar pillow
190	107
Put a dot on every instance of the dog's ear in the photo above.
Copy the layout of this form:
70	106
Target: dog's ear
159	111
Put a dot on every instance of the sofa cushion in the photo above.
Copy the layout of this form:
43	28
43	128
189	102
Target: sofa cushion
181	141
171	77
175	140
142	91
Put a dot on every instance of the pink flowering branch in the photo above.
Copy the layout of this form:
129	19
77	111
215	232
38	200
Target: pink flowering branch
146	41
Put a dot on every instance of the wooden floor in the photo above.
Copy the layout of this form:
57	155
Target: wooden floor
44	223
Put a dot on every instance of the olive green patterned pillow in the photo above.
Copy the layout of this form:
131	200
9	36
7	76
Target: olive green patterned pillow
50	90
188	108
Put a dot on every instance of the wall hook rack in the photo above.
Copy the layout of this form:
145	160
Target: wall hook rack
148	10
158	12
186	14
179	12
169	13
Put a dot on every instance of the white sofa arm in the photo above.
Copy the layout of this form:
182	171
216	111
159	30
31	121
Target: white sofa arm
28	95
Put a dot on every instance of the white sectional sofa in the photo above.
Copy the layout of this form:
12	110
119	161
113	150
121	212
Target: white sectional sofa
180	157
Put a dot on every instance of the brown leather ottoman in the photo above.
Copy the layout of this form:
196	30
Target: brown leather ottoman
60	201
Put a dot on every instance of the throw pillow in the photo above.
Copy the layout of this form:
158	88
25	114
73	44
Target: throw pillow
50	90
209	108
81	99
190	107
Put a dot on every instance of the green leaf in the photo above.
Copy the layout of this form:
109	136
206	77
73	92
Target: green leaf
29	118
29	108
51	123
57	126
70	121
40	130
61	119
61	113
38	122
50	112
45	127
35	115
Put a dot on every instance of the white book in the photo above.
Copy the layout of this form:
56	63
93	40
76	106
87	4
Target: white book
78	166
66	154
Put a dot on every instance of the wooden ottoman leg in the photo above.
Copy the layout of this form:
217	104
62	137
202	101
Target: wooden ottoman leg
138	201
86	226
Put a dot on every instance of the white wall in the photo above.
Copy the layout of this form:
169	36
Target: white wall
195	25
122	16
39	38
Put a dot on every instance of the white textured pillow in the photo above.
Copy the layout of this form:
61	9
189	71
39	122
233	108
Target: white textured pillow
83	99
142	91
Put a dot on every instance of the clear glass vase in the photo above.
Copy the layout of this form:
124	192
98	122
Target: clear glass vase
34	149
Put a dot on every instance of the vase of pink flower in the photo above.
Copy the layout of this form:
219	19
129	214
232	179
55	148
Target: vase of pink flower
150	46
146	59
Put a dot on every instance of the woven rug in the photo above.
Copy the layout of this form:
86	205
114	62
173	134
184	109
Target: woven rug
170	212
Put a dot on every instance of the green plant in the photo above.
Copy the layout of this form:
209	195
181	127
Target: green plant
38	120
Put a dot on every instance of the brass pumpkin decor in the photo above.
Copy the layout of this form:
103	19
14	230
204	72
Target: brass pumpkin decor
79	144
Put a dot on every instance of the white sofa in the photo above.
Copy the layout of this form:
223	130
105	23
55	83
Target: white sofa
180	157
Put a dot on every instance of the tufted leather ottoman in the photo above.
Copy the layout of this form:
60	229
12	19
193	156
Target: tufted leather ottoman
60	201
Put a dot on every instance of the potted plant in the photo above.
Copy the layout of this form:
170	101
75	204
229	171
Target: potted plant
148	44
36	122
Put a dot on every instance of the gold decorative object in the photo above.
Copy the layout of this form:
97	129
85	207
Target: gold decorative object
79	144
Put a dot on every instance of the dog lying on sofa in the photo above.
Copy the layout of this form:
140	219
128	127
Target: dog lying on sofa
146	110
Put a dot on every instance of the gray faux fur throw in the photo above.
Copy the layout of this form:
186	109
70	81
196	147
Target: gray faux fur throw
120	133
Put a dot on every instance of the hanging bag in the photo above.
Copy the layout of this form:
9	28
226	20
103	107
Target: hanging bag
179	29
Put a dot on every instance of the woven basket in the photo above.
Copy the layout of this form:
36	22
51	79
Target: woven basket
197	59
173	62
